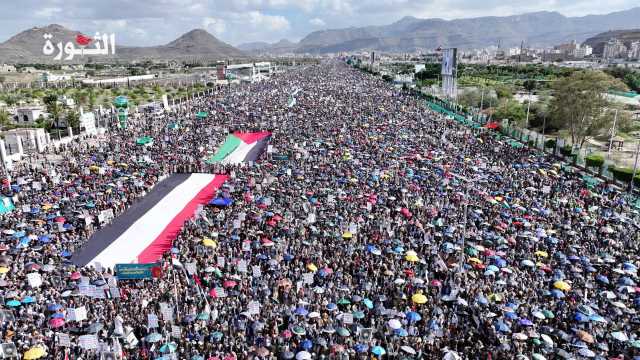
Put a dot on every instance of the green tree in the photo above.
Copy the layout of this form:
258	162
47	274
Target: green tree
579	104
529	85
504	91
73	119
5	119
53	108
511	110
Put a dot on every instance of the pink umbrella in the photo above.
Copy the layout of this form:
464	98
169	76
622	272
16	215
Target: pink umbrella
286	334
56	323
229	283
60	219
435	283
75	275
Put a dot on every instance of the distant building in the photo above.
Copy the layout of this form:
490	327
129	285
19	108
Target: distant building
583	51
5	68
28	115
25	140
66	101
614	49
634	50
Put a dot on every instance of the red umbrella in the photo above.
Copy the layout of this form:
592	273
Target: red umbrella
492	125
286	334
75	275
229	283
435	283
60	219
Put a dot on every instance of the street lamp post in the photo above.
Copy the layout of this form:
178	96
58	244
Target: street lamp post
613	133
468	182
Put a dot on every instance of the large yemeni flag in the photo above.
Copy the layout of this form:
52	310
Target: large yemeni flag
241	147
148	228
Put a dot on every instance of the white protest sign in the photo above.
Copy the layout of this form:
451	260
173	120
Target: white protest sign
256	271
176	331
347	318
242	266
191	268
307	278
64	340
88	342
77	314
152	321
35	279
253	308
220	261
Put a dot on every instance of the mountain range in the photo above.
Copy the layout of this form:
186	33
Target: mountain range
537	29
27	47
626	36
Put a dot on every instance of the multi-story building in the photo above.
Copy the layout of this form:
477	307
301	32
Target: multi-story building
634	50
614	49
583	51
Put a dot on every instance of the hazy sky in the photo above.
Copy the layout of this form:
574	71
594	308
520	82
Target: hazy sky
153	22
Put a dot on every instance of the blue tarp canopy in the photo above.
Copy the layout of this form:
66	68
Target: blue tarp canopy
221	201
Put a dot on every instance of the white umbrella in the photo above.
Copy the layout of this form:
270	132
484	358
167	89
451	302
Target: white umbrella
408	349
547	339
451	355
303	355
620	336
394	324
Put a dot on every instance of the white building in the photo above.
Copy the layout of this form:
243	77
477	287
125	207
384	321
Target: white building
25	140
5	68
66	101
28	115
614	49
583	51
634	50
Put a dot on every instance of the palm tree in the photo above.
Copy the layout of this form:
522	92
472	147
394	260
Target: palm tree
5	119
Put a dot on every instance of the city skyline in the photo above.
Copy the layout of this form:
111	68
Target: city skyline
149	22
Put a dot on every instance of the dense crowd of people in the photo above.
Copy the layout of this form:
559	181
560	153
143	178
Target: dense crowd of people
373	228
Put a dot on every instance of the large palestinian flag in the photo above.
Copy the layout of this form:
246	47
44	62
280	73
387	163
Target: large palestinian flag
148	228
241	147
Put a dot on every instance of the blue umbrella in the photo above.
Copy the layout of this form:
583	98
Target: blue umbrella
492	268
65	253
306	344
332	306
28	300
168	348
413	316
302	311
597	318
54	307
19	234
45	239
625	280
368	303
557	294
361	348
221	202
401	332
580	317
57	316
603	279
378	350
502	327
500	262
13	303
153	337
526	322
629	266
511	315
197	357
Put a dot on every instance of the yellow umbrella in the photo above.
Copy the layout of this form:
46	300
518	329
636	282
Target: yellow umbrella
110	162
312	267
475	260
46	206
412	258
561	285
209	243
4	270
35	352
411	253
94	168
553	172
541	253
542	172
419	298
498	198
347	235
495	297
